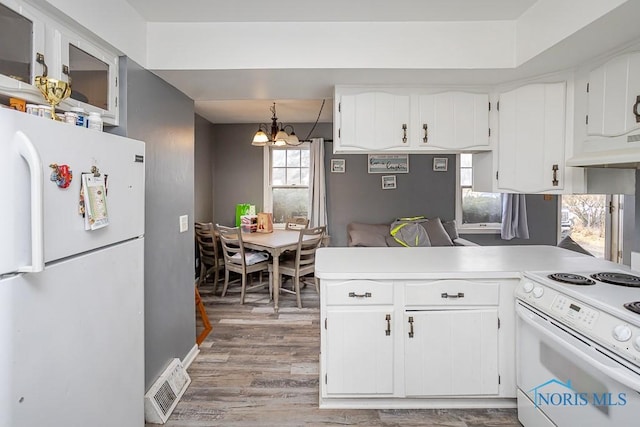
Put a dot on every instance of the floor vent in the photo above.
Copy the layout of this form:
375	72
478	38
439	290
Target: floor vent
164	394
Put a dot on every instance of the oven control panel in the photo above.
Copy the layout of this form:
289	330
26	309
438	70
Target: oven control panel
615	334
574	312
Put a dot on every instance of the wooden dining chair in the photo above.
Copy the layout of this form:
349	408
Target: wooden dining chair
296	223
304	262
211	260
239	260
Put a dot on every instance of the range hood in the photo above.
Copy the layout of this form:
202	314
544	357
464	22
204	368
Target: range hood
623	158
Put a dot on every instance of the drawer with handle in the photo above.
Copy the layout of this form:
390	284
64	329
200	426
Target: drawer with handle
359	292
451	292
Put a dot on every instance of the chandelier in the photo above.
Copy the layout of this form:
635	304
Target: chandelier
275	134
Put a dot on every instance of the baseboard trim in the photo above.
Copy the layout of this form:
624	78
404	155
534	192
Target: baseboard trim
190	357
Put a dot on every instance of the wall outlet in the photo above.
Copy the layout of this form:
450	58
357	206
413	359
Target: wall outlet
184	223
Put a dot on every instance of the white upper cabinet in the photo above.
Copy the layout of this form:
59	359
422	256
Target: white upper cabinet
373	121
532	139
614	94
41	45
452	121
370	120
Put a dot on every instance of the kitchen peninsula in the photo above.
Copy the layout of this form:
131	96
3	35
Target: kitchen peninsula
426	327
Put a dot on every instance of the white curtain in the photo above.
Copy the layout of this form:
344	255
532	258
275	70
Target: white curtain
317	188
514	217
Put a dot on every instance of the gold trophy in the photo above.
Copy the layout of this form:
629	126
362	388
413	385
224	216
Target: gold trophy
54	91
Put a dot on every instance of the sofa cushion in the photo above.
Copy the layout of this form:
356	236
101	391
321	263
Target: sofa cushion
437	234
451	229
361	234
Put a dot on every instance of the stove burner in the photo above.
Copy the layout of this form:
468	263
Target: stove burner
620	279
633	306
571	279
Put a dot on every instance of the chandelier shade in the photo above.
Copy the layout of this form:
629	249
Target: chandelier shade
275	133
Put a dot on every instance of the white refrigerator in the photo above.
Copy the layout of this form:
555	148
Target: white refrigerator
71	298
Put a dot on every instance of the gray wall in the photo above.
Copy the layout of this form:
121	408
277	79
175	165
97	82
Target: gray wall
203	170
163	117
239	167
357	195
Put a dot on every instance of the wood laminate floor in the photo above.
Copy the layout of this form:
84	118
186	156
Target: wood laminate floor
257	368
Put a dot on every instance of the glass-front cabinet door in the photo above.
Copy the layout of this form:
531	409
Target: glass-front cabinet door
22	35
93	74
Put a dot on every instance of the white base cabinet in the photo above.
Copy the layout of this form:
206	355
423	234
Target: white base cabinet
417	343
359	351
451	352
358	337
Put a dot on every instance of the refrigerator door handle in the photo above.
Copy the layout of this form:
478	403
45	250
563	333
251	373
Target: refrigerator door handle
28	151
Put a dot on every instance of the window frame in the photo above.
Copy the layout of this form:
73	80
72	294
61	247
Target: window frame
474	228
268	188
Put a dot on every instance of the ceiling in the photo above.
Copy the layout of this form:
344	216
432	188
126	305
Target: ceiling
329	10
245	95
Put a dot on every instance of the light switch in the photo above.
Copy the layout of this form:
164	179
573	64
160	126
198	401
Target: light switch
184	223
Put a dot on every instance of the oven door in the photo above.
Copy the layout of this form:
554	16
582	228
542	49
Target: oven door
568	378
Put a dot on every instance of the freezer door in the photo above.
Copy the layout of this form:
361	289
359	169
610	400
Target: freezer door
120	160
72	342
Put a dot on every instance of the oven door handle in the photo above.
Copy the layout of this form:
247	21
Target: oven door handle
617	374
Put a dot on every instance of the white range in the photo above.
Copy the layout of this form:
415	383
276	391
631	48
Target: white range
578	348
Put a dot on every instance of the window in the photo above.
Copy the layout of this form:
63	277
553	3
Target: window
475	211
287	194
594	221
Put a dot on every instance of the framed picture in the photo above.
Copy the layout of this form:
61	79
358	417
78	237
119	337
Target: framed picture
389	182
388	163
338	166
440	164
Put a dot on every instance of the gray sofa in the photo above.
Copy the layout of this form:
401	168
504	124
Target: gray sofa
441	233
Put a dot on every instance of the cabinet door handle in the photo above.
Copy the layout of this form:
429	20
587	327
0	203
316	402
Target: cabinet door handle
458	295
40	60
554	181
354	295
636	109
410	326
388	319
425	139
404	133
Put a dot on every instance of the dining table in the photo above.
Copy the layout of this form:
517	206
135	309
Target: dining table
275	243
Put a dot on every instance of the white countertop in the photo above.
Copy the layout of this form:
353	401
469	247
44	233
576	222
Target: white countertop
450	262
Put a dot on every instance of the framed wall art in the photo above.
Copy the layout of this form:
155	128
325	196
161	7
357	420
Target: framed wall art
338	166
388	163
440	164
389	182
